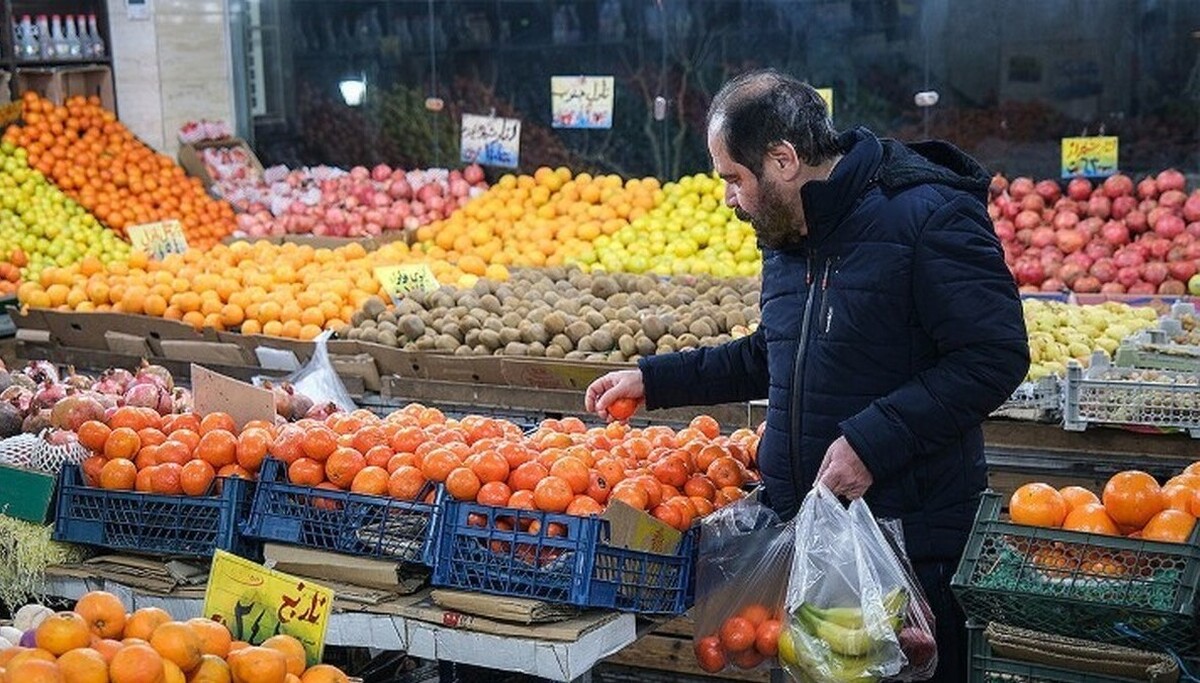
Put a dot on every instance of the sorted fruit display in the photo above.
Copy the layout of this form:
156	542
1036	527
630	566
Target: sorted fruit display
99	163
41	227
1060	332
561	467
99	641
690	231
564	313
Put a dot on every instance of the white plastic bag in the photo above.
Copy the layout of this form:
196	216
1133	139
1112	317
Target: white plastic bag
849	596
318	379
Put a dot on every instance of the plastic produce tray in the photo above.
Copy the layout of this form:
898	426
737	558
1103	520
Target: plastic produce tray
1173	345
1037	400
986	667
193	526
1077	584
339	521
1103	394
479	550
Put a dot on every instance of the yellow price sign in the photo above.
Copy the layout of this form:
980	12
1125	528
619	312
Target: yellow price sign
827	95
396	280
255	603
1092	157
158	239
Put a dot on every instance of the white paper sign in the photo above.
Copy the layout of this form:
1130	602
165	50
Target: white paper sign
491	140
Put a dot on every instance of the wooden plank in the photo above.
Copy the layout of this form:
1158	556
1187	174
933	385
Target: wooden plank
1097	441
669	653
683	626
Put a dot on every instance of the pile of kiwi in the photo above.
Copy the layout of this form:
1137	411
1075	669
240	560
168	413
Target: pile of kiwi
564	313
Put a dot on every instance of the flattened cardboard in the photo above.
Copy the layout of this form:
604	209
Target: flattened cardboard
303	350
214	392
214	352
128	344
501	608
361	366
80	330
545	373
157	329
635	530
33	336
469	369
389	360
357	571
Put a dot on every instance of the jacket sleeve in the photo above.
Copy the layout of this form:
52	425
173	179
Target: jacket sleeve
734	371
967	301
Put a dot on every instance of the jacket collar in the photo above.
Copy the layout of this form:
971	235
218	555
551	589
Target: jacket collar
826	202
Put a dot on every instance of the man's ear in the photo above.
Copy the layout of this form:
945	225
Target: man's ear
783	160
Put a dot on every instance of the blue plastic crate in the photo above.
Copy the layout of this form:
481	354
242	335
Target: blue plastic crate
192	526
479	550
339	521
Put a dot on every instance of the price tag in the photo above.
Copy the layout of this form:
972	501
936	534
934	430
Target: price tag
581	101
827	95
1091	157
158	239
396	280
491	140
255	603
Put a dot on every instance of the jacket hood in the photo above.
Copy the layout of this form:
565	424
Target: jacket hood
931	162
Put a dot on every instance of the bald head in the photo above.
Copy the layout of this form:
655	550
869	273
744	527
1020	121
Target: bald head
761	109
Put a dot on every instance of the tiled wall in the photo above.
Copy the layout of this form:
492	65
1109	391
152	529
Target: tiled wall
172	68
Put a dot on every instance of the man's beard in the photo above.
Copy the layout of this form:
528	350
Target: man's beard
773	223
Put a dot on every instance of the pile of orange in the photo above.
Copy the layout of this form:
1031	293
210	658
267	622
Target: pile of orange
98	642
561	467
1132	504
97	161
286	290
139	450
746	639
537	220
10	275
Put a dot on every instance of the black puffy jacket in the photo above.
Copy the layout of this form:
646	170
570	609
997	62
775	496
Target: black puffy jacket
896	324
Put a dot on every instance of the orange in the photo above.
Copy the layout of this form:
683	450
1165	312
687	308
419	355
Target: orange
766	639
1180	497
1132	498
622	408
83	665
495	493
107	647
527	476
710	654
172	673
462	483
118	475
306	472
707	425
553	494
490	467
141	624
1091	518
343	465
371	480
573	471
1037	504
177	643
1172	526
35	671
755	613
252	447
214	637
103	612
319	442
292	649
212	669
217	446
737	634
63	631
439	463
93	435
215	421
406	483
1075	496
122	442
631	493
725	471
167	479
137	663
258	665
196	477
324	673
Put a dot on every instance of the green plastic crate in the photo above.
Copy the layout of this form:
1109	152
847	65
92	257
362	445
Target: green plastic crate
1079	585
986	667
26	494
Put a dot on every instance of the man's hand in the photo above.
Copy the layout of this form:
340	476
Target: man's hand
842	472
619	384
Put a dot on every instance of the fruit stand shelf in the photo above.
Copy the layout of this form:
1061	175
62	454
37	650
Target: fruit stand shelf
553	660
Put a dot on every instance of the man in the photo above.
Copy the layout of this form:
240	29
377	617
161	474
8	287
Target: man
890	325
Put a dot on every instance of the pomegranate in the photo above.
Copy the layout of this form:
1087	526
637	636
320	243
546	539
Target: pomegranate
1027	220
1079	189
1168	226
1070	241
1172	199
474	174
1029	272
1170	179
1191	208
1100	207
1087	285
1147	189
1129	276
48	394
1121	206
1129	257
1020	187
283	399
1143	289
1042	237
1155	272
74	410
1048	190
20	379
1069	273
36	421
41	371
1103	270
1112	288
181	400
10	420
301	404
1005	230
1091	226
1182	269
76	381
1033	202
1053	284
1172	287
1136	222
1115	233
1117	186
18	397
321	411
156	374
1097	249
1064	220
149	395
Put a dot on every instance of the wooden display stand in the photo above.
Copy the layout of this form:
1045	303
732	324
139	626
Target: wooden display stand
60	83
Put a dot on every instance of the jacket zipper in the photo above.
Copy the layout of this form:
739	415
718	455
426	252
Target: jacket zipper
797	368
825	318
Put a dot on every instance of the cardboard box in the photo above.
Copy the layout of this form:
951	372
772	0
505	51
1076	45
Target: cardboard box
26	494
57	84
348	569
469	369
28	318
391	360
88	330
545	373
216	353
213	392
360	366
189	157
128	344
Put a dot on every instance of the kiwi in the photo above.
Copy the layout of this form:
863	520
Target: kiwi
452	329
537	348
515	349
688	340
494	324
511	319
445	342
701	328
595	319
645	346
668	342
482	350
569	306
417	296
578	330
563	341
677	328
471	338
373	306
575	355
490	339
489	303
602	340
585	344
734	317
427	343
654	327
555	351
616	357
509	335
554	323
354	334
387	338
627	345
